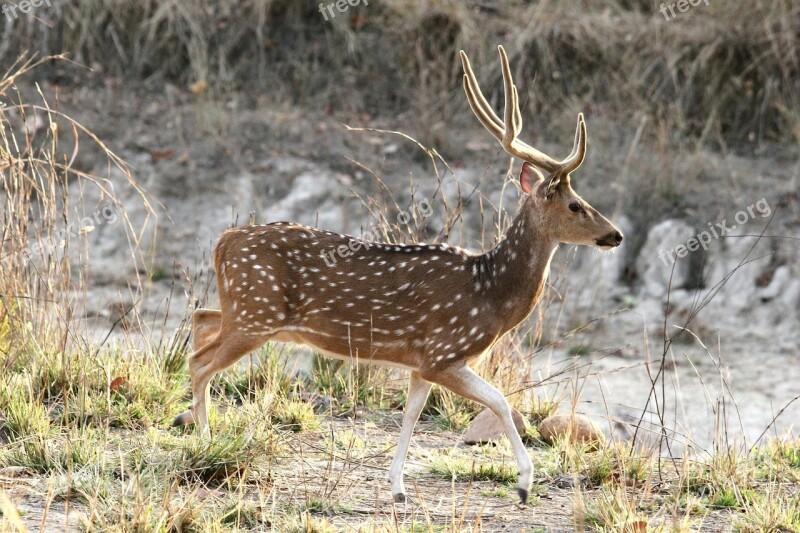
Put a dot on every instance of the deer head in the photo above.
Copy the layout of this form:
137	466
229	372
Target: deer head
553	205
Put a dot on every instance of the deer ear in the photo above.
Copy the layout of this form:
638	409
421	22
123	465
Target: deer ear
529	177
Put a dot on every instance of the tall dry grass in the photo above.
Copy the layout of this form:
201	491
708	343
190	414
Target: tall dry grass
725	74
49	208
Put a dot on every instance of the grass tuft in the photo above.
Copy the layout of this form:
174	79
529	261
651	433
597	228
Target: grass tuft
461	468
296	416
222	459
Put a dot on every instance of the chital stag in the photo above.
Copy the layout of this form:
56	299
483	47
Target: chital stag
432	309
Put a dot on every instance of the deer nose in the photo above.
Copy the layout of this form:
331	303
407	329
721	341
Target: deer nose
610	239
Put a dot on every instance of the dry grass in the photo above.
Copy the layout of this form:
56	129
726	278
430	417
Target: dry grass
722	75
45	228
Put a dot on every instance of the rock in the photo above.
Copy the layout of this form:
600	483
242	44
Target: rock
654	264
572	481
486	427
580	429
601	272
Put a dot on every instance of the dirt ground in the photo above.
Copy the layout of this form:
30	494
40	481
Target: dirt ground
350	490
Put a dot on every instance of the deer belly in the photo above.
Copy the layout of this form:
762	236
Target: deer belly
391	354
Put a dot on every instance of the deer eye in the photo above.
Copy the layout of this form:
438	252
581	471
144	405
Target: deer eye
575	207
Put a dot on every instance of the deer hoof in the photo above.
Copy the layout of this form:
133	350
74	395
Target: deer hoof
183	419
523	495
399	498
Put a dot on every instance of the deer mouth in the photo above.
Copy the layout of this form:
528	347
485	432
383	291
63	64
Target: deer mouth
609	241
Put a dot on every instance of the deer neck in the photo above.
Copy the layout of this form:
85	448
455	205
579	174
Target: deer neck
514	273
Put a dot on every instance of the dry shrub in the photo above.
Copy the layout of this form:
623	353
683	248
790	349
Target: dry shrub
722	74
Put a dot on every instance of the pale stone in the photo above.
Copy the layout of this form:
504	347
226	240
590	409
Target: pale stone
486	427
580	429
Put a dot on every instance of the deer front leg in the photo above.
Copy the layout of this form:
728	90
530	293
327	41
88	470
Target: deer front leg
462	380
418	390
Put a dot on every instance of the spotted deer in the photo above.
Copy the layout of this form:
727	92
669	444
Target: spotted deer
432	309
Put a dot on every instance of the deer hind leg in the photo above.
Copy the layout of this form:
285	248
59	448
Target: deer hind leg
205	326
217	355
465	382
418	390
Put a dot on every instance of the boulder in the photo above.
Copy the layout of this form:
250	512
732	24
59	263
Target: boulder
579	428
486	427
658	259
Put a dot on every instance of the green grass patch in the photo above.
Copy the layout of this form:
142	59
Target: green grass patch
466	468
296	416
55	454
351	385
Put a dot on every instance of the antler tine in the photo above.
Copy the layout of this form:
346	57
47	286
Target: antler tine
506	131
575	158
478	102
484	119
513	116
517	115
512	105
514	123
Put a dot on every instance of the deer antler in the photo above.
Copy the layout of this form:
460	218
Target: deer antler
508	130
